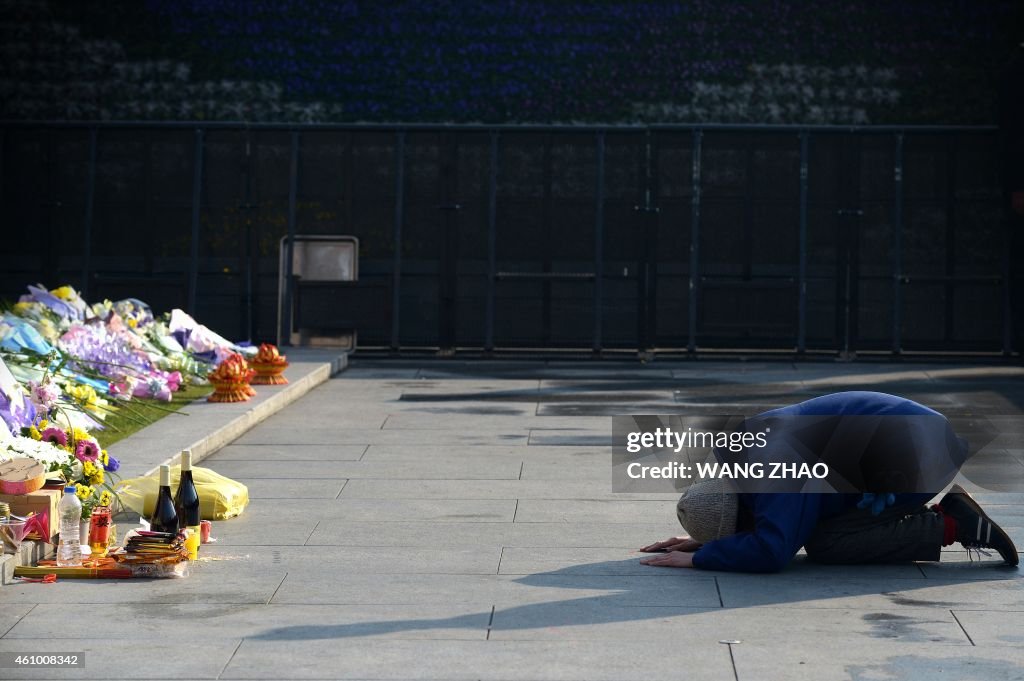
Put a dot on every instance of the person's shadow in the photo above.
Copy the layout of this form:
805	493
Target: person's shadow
637	592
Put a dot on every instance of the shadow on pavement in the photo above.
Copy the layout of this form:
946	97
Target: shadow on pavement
624	604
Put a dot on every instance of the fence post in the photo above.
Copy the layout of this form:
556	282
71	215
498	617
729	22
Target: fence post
396	267
695	239
90	192
599	247
293	189
492	243
897	248
801	336
197	189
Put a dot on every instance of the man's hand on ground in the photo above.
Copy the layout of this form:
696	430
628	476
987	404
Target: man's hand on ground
679	559
673	544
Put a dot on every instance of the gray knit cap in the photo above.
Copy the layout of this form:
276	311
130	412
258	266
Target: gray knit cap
707	510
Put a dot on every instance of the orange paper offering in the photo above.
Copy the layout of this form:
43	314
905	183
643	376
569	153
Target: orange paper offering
269	365
230	380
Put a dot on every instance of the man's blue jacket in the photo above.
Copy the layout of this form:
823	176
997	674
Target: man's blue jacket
784	522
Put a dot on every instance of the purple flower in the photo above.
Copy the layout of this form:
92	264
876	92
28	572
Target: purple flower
112	464
15	411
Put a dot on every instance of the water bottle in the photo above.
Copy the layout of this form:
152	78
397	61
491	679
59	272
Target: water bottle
69	550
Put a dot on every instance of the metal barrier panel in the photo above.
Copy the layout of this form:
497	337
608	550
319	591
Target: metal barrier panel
660	238
749	239
544	240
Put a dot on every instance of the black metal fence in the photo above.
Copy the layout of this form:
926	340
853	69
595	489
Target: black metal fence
666	238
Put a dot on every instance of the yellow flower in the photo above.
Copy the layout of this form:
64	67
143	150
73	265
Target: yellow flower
106	498
96	478
88	468
104	457
22	308
83	492
43	424
64	292
48	330
79	434
84	395
34	433
132	323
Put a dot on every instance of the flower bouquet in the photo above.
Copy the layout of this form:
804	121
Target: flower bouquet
70	451
230	380
269	365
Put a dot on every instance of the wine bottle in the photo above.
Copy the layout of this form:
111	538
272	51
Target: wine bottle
164	518
186	499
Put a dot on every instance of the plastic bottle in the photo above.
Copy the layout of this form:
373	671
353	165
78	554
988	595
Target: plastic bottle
69	550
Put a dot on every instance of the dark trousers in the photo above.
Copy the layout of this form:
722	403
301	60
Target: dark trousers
895	535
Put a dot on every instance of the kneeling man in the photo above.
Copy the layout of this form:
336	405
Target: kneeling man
762	532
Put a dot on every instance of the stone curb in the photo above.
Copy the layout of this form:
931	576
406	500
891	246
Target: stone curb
238	426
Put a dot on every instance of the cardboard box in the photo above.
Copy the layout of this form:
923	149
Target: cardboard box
40	501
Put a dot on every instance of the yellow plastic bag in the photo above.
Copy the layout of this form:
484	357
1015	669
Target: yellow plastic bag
220	498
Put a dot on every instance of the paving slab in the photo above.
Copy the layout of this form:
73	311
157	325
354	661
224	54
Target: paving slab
391	471
875	659
435	452
403	589
10	615
277	470
447	407
259	452
594	510
291	488
310	560
577	561
594	467
987	628
705	627
963	565
300	422
493	489
160	660
235	580
365	436
425	510
553	535
852	589
569	437
505	660
597	425
211	622
249	530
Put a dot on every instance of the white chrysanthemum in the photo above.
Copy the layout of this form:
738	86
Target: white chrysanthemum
43	452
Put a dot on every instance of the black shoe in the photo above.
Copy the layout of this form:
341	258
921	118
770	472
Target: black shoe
974	529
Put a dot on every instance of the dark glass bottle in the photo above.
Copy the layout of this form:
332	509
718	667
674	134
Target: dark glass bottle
164	518
186	500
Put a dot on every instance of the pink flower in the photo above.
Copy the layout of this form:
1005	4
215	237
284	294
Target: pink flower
87	450
44	395
155	388
55	436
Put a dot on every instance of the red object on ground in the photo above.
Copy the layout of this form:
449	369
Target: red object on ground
48	579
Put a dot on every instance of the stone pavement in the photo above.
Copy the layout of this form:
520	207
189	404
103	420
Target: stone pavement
450	520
